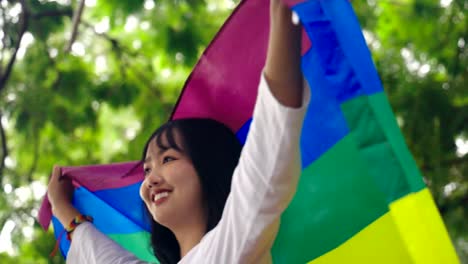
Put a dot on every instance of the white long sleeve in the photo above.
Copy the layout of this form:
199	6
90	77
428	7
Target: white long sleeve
90	246
263	184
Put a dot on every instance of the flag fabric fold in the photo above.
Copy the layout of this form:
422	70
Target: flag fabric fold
361	198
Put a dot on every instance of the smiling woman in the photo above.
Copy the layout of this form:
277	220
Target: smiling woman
208	202
188	166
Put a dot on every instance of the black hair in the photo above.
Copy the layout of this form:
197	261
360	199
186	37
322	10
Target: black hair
214	151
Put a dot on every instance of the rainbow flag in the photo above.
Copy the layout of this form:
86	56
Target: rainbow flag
361	198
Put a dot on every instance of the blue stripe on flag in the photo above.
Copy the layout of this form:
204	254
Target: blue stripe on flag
124	218
243	131
351	40
59	230
127	201
106	218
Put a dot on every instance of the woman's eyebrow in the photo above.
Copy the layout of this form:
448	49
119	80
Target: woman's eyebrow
164	150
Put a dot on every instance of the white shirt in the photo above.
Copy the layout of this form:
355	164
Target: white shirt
263	184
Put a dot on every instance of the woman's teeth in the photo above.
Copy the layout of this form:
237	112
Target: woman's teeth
160	195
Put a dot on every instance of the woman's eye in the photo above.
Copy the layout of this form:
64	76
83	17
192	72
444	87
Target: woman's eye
167	159
147	171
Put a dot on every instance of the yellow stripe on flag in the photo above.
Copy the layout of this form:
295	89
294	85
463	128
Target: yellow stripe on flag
379	243
412	232
422	229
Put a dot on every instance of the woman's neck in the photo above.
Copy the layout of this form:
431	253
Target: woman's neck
189	236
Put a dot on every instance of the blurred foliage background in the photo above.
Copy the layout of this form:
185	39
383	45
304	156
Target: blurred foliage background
84	82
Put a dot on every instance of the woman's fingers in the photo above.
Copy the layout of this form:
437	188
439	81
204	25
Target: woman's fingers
56	172
60	194
60	189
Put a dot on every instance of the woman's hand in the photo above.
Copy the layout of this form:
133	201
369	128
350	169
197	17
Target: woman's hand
60	194
282	67
60	189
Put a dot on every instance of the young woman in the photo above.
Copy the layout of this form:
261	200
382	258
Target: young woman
207	203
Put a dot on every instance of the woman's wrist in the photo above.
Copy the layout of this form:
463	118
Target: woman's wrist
282	67
65	212
279	11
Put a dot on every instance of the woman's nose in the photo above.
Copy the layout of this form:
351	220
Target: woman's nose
153	180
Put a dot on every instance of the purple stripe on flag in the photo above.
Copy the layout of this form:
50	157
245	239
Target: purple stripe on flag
95	178
100	177
226	77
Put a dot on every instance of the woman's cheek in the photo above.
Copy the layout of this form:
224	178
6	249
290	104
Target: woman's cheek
143	192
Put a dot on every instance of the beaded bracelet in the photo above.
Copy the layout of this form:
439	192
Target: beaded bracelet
79	219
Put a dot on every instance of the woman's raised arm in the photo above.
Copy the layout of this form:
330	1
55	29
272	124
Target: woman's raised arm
282	68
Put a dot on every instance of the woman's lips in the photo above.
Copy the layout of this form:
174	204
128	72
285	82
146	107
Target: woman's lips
160	197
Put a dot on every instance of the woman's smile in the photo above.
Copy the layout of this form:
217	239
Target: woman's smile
160	197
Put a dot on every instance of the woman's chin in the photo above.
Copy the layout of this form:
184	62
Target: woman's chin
161	218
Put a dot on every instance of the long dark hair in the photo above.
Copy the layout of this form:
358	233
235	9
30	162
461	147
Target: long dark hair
214	151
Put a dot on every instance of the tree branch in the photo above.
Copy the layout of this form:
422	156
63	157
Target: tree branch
23	26
4	38
4	150
114	42
122	50
76	22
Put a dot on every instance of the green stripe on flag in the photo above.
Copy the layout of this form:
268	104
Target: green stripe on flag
138	243
385	116
382	146
336	198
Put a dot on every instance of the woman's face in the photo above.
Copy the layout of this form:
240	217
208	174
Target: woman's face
171	189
